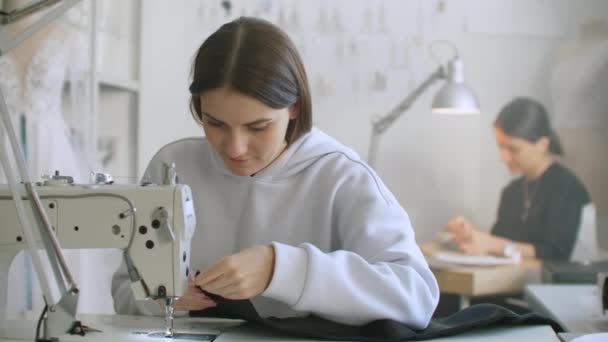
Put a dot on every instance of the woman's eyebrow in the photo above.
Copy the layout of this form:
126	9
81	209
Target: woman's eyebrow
259	121
210	116
255	122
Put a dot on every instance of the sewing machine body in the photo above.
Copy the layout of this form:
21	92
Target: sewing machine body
153	224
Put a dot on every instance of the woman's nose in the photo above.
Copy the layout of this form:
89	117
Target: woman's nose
236	144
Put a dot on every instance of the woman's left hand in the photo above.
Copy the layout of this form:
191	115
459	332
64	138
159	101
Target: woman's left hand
242	275
193	299
480	242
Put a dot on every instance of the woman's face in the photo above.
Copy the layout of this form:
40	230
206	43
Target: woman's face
247	134
520	155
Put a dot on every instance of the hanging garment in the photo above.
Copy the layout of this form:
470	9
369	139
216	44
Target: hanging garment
38	97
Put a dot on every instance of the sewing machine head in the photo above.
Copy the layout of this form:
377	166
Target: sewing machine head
152	224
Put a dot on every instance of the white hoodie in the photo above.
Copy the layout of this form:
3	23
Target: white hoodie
344	247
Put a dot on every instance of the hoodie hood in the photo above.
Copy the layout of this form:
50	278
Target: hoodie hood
302	153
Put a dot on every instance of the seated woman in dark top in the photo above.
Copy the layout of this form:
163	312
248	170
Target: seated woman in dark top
539	212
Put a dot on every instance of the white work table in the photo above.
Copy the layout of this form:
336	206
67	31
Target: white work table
575	307
136	328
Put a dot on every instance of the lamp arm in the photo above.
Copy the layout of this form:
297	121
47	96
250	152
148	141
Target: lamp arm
381	124
57	262
8	43
20	207
61	312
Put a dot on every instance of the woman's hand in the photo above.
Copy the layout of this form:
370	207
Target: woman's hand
240	276
461	229
479	242
471	240
193	299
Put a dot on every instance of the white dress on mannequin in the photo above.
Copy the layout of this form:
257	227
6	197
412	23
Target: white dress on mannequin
12	92
38	96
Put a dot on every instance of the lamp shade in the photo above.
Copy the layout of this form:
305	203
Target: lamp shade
454	97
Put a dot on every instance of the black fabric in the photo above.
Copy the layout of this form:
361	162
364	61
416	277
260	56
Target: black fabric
473	317
552	222
450	303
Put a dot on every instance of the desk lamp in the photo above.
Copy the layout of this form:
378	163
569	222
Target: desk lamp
453	98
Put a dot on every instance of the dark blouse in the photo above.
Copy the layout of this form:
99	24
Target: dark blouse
552	220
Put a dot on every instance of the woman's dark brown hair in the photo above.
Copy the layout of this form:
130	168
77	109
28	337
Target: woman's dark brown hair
257	59
527	119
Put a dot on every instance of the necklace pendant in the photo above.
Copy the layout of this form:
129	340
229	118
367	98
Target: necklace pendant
526	211
529	195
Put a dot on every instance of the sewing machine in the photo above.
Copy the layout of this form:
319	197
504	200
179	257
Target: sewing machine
157	222
151	224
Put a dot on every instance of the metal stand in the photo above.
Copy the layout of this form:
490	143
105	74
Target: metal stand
381	124
61	313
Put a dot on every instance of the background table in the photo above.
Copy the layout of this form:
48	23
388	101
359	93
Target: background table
475	281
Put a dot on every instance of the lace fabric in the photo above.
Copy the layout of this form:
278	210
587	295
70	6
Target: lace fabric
38	96
12	93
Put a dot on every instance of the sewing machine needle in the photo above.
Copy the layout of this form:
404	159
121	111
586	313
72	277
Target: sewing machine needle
169	307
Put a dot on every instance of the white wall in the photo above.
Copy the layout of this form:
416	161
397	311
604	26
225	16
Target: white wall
362	57
167	47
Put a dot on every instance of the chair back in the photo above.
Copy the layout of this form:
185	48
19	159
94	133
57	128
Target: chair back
585	246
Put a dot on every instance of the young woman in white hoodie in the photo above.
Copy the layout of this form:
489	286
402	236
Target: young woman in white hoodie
286	216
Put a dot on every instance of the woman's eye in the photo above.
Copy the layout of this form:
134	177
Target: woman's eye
214	123
258	128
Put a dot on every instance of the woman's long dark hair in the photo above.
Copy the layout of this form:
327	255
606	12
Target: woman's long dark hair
257	59
527	119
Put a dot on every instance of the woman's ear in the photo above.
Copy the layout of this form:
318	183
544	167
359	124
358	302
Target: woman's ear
543	143
294	110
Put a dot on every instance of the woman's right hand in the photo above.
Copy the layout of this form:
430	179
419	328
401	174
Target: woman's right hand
193	299
461	229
